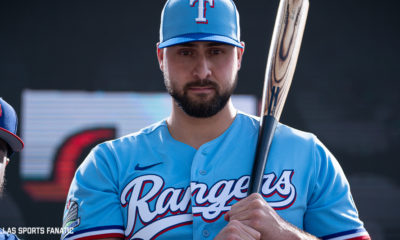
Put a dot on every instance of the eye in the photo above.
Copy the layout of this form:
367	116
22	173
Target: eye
215	51
185	52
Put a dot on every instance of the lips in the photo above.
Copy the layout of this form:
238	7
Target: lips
201	88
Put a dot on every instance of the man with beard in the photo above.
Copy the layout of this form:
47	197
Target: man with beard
186	177
9	143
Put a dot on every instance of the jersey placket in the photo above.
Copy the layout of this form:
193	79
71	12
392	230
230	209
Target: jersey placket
200	175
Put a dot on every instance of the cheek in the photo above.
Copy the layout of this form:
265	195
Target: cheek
176	64
228	70
2	170
177	75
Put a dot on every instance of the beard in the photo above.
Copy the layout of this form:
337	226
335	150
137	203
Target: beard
201	108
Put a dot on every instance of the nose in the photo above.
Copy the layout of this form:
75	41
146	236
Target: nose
202	68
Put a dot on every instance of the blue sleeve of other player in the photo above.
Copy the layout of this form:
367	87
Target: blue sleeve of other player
7	236
93	206
331	212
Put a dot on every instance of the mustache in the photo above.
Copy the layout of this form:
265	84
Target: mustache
201	83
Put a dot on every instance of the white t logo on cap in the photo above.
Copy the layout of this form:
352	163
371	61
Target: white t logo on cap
202	9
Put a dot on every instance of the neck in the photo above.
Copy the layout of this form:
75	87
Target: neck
197	131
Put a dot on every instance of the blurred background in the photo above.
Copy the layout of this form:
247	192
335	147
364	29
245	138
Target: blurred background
80	72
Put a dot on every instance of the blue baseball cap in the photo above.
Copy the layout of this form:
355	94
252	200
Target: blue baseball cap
8	127
185	21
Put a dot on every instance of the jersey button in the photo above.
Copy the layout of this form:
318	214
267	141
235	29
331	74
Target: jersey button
203	172
206	233
204	152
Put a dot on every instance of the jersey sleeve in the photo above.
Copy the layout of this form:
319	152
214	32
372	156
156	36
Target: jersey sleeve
331	212
92	210
7	236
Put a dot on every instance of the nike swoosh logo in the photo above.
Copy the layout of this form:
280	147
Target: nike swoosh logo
139	168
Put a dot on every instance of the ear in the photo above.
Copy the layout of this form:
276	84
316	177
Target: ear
240	52
160	57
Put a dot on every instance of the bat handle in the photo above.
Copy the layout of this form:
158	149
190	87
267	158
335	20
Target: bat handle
266	134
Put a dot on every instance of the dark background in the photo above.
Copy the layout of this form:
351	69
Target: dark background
345	90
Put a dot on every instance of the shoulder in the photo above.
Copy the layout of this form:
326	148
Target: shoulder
297	137
281	129
284	134
113	155
304	144
6	236
248	120
294	135
140	137
310	153
146	132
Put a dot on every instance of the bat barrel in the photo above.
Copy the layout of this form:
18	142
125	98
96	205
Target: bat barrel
266	134
281	64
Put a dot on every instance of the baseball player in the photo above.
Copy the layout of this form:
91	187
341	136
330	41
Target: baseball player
9	143
186	177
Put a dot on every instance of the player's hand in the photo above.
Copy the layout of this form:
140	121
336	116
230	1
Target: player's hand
255	212
236	230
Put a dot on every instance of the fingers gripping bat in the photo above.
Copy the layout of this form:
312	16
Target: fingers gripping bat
282	58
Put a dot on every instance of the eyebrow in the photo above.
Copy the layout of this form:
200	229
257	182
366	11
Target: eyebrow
214	44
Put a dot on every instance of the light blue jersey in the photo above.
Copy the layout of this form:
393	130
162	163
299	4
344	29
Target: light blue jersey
7	236
148	185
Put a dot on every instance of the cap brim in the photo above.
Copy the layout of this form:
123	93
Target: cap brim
199	37
11	139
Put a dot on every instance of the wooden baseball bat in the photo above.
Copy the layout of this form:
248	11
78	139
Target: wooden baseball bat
282	58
